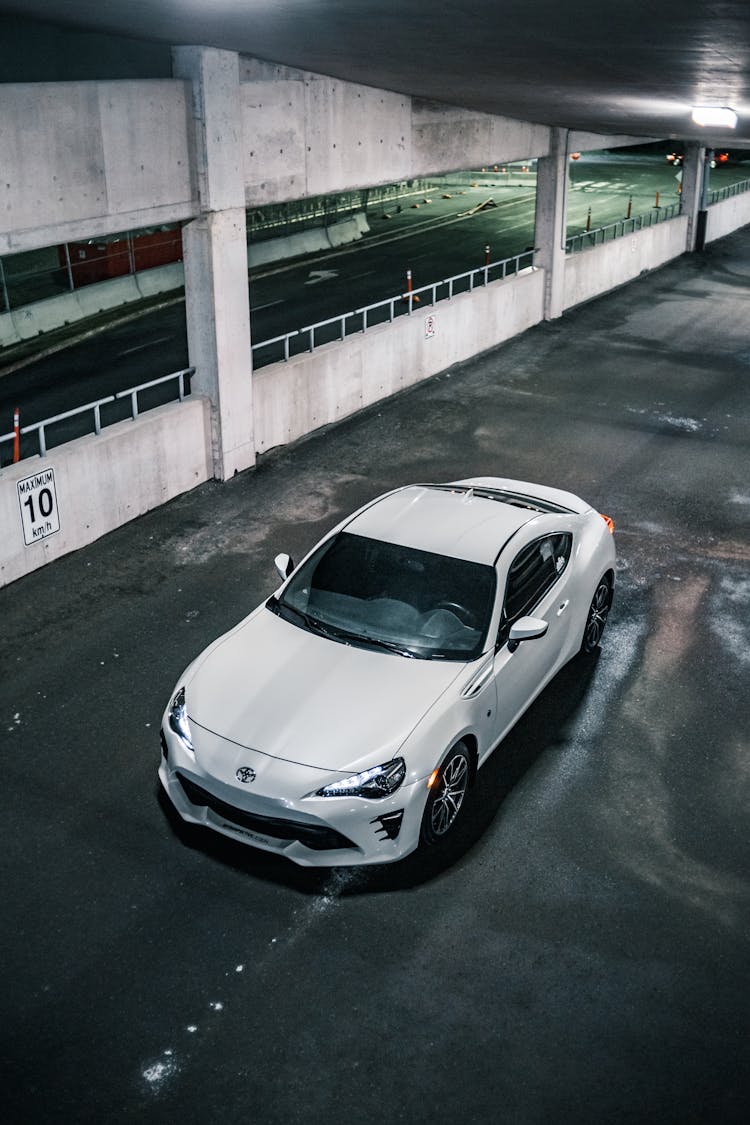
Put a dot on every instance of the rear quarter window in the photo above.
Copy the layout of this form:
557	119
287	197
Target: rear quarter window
533	572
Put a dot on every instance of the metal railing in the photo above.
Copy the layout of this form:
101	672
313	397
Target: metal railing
96	407
380	312
727	192
589	238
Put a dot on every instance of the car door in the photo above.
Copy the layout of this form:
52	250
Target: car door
536	586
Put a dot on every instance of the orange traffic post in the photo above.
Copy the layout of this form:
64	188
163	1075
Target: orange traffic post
657	200
588	220
16	435
487	254
630	207
412	298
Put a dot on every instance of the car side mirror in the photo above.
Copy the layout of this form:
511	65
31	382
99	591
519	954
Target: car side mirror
284	566
525	629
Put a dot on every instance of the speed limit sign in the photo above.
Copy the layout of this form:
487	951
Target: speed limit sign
38	500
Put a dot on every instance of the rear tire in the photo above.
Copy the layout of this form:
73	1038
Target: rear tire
447	795
597	615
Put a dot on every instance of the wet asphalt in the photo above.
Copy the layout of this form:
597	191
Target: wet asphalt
582	952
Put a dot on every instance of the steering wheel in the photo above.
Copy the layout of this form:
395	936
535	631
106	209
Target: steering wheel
464	615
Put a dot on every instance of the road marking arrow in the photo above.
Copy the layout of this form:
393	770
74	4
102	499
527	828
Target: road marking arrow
321	275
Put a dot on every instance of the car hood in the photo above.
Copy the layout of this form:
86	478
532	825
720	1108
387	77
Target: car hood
275	688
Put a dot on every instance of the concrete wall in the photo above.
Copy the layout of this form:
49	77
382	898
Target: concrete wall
95	494
590	273
292	399
306	134
89	158
295	398
729	215
81	159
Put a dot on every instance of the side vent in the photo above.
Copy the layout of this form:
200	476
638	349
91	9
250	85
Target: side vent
388	825
479	679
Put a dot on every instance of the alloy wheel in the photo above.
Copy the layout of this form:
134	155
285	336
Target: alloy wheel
598	614
452	784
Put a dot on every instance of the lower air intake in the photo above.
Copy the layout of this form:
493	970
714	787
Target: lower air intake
315	836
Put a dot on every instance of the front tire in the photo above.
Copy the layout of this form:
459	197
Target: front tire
597	615
447	795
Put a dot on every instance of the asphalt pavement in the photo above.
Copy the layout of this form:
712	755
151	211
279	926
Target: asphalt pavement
582	954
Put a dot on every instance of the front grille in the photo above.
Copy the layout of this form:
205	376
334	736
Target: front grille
317	837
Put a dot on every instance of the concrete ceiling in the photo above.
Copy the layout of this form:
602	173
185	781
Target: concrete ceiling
607	66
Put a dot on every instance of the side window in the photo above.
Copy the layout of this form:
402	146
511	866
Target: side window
534	570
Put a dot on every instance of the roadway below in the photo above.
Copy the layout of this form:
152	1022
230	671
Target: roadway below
431	240
583	954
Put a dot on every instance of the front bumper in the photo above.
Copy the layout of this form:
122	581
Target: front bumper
311	831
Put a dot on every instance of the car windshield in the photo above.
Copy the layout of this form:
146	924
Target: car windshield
382	595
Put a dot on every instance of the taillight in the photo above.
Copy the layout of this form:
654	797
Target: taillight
609	522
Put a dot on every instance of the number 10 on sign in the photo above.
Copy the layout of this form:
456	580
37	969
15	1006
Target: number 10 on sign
38	500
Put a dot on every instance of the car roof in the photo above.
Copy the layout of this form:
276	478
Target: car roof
456	520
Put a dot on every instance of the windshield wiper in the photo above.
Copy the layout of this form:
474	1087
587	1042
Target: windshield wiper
389	646
375	642
334	632
283	609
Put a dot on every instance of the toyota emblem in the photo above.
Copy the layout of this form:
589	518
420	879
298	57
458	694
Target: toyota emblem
245	774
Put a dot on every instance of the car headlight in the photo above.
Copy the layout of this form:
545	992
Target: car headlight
178	719
380	781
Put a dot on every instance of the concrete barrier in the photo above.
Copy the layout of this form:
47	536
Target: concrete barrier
45	316
314	389
727	216
350	230
102	482
314	241
93	299
160	279
277	249
34	320
8	333
589	273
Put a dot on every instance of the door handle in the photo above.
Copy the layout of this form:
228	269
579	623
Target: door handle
562	607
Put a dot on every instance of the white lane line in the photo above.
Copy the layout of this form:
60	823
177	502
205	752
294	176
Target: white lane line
268	305
355	276
149	344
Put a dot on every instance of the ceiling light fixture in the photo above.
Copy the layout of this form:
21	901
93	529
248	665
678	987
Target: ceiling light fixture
714	115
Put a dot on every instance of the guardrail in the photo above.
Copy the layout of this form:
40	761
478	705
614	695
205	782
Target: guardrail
385	311
589	238
727	192
96	407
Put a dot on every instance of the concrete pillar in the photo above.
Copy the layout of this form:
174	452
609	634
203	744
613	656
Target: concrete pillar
551	208
692	190
217	297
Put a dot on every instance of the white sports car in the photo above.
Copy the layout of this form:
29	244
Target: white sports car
343	721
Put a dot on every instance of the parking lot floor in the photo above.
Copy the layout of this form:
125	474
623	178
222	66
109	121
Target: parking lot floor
581	954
